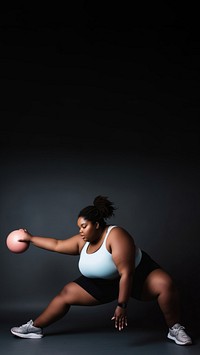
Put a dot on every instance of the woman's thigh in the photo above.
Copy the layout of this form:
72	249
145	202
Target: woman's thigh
75	295
157	281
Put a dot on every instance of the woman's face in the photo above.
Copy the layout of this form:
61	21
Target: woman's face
88	231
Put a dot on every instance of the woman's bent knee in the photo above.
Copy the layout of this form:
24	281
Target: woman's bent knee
158	282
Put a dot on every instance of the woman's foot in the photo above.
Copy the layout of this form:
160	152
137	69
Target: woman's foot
27	331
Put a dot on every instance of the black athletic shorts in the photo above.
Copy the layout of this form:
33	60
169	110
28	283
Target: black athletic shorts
108	290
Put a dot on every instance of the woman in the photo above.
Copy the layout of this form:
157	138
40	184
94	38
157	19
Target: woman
112	267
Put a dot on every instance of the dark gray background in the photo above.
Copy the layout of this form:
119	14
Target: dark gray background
99	100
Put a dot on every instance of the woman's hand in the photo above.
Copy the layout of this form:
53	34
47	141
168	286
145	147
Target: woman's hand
26	235
120	318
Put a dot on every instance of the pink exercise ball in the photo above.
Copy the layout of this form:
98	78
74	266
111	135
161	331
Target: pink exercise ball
13	242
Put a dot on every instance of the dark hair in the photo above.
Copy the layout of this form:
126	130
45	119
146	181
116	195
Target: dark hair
101	210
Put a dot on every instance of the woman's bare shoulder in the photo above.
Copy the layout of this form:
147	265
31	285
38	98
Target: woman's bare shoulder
120	233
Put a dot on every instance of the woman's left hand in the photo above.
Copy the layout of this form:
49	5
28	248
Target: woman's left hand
120	318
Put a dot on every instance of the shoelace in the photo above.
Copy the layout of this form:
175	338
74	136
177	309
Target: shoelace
180	331
24	325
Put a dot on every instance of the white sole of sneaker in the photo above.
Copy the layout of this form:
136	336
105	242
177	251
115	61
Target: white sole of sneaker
178	342
27	336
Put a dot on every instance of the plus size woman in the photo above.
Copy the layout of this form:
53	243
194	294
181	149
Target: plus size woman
112	267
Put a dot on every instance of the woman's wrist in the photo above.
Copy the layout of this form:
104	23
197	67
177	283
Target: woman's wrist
122	305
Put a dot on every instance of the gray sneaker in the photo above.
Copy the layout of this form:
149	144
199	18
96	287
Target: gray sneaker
178	334
27	331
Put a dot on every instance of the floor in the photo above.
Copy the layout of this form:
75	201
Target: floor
86	331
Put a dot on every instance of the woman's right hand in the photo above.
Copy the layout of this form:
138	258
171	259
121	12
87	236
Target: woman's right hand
26	236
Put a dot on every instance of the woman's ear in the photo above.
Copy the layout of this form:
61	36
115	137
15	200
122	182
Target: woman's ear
97	225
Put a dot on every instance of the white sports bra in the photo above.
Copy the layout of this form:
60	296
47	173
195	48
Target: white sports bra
100	263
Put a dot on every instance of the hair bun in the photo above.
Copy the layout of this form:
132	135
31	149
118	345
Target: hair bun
104	206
